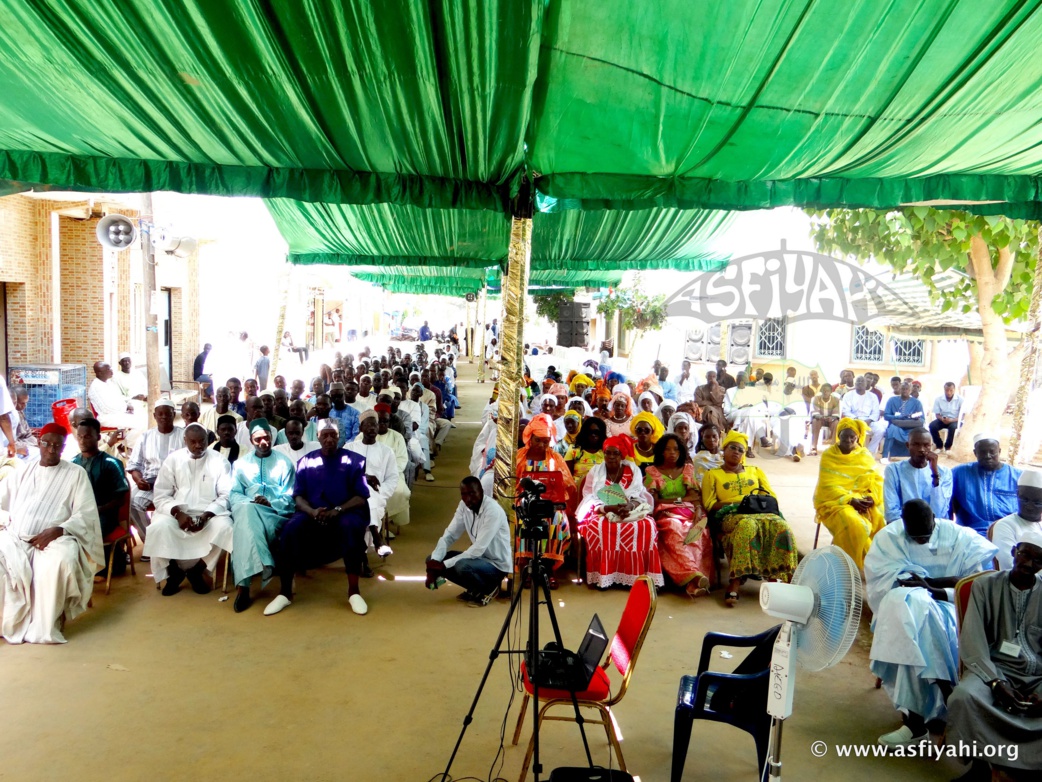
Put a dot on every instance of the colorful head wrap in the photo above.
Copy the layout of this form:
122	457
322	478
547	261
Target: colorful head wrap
559	389
601	391
860	428
579	380
629	402
541	425
623	442
576	415
734	436
657	429
548	383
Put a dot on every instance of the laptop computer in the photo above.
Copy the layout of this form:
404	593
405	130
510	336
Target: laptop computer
562	669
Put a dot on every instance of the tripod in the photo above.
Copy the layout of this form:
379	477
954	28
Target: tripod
536	571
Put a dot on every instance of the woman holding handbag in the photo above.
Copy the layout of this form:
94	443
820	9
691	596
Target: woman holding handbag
743	508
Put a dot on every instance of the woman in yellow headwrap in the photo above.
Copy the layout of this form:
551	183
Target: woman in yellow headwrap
849	497
646	429
578	383
756	544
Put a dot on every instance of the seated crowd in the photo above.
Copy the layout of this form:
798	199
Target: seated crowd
281	482
653	479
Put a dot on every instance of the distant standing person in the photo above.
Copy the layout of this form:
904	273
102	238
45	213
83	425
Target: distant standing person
425	333
261	368
199	374
246	346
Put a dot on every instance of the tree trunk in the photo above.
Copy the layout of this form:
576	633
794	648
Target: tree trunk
973	374
1027	366
986	415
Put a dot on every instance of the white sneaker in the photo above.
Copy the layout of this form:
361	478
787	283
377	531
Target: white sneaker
902	737
358	605
433	465
430	478
277	605
384	551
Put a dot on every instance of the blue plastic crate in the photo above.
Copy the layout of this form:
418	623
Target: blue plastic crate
46	384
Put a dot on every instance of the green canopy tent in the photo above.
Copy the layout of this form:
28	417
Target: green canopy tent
408	238
740	105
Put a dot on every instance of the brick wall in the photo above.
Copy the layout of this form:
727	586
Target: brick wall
82	314
25	269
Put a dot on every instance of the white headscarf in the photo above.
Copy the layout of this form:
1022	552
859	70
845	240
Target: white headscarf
587	410
654	402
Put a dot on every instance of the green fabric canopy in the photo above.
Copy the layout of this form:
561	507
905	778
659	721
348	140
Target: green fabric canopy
749	104
393	235
744	104
324	100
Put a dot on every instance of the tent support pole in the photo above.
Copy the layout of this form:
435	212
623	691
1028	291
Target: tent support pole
511	342
480	335
152	368
1028	365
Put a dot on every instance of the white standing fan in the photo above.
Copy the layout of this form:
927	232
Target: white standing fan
821	609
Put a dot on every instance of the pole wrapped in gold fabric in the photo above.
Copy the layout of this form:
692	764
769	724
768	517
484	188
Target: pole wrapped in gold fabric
511	347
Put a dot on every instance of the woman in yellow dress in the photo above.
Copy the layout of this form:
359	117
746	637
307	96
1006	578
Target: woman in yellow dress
756	544
849	497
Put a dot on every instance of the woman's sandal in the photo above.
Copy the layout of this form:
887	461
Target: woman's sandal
732	599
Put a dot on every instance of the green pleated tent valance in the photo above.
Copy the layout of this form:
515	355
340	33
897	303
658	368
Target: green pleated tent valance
566	241
448	104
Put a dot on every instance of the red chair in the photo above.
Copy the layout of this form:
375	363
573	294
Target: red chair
622	654
124	534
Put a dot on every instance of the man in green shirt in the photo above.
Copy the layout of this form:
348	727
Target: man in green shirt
108	482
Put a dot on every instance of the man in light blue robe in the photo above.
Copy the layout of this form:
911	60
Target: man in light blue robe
903	413
910	574
984	491
261	500
918	478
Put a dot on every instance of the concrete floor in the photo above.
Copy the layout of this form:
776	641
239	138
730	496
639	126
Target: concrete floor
172	688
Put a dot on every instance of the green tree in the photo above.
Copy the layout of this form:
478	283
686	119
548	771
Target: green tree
549	307
639	311
997	254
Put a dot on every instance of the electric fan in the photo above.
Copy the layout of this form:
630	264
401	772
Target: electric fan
821	609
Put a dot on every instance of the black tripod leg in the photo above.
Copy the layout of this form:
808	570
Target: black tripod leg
544	585
493	655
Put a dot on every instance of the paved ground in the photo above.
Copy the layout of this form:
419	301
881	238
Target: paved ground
181	687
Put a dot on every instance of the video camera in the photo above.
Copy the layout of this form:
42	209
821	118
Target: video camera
534	512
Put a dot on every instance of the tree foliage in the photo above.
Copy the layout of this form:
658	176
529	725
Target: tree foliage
639	312
549	307
922	240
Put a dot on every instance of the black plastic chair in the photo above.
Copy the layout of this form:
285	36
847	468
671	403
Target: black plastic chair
738	698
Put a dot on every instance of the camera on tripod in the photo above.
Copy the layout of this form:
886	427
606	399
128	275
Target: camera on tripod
534	512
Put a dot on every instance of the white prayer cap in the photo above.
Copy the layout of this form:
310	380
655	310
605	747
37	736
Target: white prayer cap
1032	536
123	356
326	423
985	436
1031	478
163	403
367	414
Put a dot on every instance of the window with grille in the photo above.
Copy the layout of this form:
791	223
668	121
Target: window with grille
908	351
770	338
868	345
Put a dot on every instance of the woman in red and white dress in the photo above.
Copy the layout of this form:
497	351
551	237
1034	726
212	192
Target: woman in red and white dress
621	538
